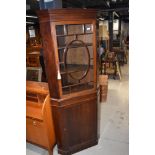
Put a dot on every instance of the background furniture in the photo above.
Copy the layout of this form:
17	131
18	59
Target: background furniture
121	55
32	59
104	36
33	73
69	40
34	62
30	49
110	65
39	121
103	83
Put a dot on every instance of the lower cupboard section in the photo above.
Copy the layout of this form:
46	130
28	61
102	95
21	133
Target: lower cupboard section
75	123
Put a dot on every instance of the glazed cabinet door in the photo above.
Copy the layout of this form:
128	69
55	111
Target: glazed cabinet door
76	56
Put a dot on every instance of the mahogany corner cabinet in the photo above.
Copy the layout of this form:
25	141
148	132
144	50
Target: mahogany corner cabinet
69	43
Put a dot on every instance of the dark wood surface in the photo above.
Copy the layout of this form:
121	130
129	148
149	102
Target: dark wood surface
72	14
75	114
78	117
30	49
50	60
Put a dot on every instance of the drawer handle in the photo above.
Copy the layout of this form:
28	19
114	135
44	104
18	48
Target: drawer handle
34	123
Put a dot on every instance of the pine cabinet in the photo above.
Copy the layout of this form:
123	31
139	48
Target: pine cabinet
39	120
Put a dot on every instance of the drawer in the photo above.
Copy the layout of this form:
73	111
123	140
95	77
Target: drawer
36	132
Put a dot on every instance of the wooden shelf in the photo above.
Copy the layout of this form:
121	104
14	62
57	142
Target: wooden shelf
38	87
74	69
78	86
30	49
62	62
71	71
65	35
82	83
75	46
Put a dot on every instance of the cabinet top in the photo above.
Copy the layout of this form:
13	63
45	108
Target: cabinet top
66	14
37	87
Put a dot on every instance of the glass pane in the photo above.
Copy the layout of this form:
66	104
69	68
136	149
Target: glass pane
88	28
61	41
64	40
77	60
33	73
61	55
60	29
75	50
87	38
77	87
75	29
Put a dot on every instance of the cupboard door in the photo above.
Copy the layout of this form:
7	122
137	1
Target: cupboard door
76	57
36	132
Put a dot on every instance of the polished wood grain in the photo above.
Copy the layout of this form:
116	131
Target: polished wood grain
50	60
39	120
37	87
78	127
32	59
74	114
72	14
30	49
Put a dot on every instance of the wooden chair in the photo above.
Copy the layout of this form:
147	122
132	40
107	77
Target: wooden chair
121	55
108	65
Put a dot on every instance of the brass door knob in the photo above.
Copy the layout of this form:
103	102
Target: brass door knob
34	123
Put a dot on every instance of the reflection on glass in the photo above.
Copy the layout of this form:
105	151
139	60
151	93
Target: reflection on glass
60	30
87	38
77	60
88	28
75	29
75	52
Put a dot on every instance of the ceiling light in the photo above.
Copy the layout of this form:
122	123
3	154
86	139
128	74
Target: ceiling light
116	14
30	22
31	16
108	3
48	0
101	18
27	7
